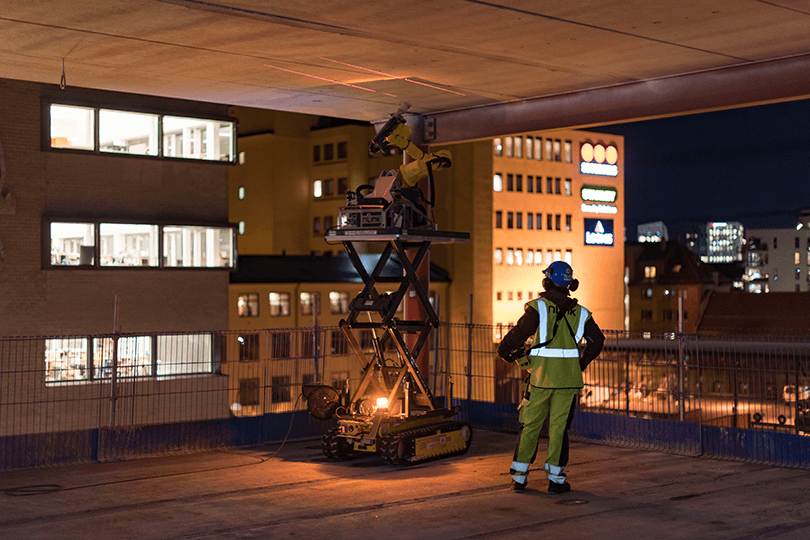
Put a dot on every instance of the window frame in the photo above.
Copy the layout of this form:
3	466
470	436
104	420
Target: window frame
97	105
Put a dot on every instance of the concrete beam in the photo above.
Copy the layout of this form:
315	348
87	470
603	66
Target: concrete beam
751	83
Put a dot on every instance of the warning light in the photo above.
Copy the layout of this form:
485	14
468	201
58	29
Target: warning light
382	402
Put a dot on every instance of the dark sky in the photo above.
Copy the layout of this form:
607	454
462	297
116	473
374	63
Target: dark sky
750	165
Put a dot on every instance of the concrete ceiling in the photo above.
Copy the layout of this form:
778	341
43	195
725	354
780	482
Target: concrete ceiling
478	68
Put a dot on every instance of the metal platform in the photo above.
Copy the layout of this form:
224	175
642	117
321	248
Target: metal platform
394	233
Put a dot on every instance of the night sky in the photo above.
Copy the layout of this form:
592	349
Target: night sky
750	165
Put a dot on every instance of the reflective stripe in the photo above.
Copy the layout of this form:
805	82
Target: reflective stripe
520	467
555	473
583	318
519	472
555	353
542	326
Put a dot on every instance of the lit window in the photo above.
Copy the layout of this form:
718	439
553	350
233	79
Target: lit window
518	147
649	272
196	138
338	302
128	245
134	357
241	227
569	257
241	193
567	152
508	147
128	132
538	257
247	305
198	247
529	147
557	255
310	303
184	354
279	304
538	148
518	257
510	256
568	190
498	256
317	188
497	182
66	359
73	244
549	257
497	147
557	150
529	257
549	151
797	258
72	127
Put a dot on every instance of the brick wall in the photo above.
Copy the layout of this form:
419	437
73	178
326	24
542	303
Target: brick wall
37	301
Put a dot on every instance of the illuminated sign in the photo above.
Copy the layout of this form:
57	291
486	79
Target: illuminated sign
598	159
598	232
598	209
598	194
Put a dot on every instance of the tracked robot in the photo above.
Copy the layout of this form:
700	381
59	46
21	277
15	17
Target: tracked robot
391	412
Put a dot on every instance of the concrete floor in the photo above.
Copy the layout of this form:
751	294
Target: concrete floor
264	492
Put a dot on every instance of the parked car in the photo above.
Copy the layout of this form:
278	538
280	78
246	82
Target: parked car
789	393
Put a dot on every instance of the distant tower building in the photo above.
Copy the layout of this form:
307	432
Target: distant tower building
724	241
778	260
652	232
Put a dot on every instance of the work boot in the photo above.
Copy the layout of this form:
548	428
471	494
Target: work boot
554	487
518	487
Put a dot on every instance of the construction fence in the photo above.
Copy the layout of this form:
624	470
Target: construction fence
69	399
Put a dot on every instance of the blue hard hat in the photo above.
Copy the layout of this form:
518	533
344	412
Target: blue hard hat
560	273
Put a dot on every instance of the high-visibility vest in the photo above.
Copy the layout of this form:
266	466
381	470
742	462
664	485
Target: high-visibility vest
556	364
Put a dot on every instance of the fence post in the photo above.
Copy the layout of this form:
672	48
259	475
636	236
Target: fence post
469	353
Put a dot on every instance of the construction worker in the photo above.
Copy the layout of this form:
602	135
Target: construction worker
556	323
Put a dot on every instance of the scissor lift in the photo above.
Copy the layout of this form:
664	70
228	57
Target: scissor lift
392	412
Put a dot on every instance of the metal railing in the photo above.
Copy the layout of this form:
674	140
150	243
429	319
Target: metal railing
84	398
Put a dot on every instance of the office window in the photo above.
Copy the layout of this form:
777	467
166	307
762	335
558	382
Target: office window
338	302
338	342
549	150
519	257
72	127
184	354
66	359
538	257
197	138
538	186
518	182
646	315
519	220
557	150
134	357
342	186
328	187
498	256
538	148
499	296
568	222
557	190
529	184
568	190
310	303
72	244
280	345
529	147
328	152
538	221
497	182
567	154
520	295
316	153
241	227
569	257
280	389
498	219
510	220
197	247
549	222
241	193
510	256
248	345
646	293
510	182
247	305
557	222
279	304
518	147
509	295
328	222
128	132
549	257
798	273
317	188
249	391
529	257
549	185
796	243
507	150
316	226
649	272
342	150
530	221
557	255
128	245
497	147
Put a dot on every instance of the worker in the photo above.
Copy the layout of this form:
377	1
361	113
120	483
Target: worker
556	323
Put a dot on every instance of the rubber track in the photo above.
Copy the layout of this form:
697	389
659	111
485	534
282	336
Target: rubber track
389	444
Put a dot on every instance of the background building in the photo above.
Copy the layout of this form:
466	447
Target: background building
778	260
652	232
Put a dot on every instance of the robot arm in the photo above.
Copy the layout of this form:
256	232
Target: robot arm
416	170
